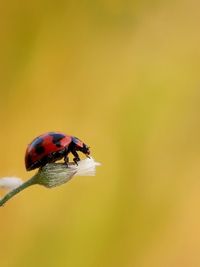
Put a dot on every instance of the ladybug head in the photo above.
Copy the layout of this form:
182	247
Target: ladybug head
80	146
85	149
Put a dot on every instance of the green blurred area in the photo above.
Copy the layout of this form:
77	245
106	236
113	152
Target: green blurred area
124	77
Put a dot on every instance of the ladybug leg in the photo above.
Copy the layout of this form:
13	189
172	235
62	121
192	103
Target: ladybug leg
66	158
76	157
76	160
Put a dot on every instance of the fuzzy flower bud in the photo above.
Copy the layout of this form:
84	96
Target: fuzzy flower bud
51	175
55	174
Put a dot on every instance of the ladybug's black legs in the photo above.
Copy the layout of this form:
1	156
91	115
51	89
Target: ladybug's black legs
76	159
66	158
73	151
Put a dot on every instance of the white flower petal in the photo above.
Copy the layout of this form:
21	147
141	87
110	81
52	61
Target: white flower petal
86	167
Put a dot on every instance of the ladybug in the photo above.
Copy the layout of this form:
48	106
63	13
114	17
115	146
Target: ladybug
53	146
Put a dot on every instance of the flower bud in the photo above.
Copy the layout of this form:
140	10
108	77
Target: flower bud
55	174
50	175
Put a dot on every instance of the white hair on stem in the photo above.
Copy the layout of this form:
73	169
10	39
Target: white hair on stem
10	183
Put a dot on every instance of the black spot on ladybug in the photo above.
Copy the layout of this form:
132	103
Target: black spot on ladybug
58	144
39	149
57	138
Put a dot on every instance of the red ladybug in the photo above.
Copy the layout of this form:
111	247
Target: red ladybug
52	146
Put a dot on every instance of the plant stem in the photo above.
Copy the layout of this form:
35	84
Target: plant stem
15	191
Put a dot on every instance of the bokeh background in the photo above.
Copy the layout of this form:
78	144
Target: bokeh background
124	77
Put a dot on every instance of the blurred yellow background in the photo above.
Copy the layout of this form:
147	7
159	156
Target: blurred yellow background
123	76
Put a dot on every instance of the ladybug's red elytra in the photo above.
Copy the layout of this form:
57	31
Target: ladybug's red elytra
52	146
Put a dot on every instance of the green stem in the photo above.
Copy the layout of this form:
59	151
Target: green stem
15	191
